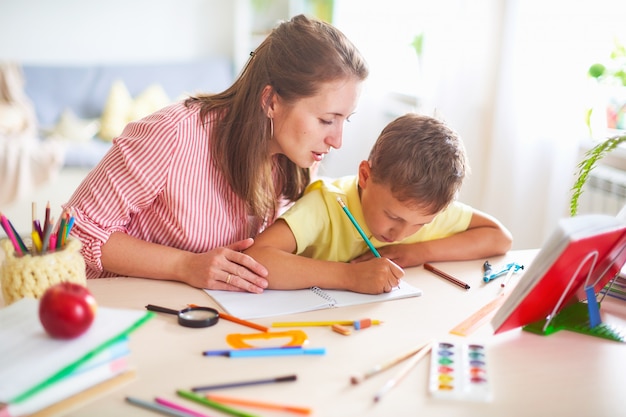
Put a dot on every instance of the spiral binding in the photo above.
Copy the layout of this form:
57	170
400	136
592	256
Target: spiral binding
331	301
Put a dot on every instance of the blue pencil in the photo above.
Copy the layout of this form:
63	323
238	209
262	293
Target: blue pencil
226	352
251	352
358	228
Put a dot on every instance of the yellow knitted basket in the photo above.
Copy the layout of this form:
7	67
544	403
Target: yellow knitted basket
30	275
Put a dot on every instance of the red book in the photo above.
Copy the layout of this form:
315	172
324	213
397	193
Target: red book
583	251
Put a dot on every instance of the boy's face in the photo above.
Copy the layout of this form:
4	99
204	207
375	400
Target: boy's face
388	219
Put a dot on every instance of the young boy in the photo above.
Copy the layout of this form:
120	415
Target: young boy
404	200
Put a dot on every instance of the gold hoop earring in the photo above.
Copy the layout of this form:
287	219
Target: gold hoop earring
271	127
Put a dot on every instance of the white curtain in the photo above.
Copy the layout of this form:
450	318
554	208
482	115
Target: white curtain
508	75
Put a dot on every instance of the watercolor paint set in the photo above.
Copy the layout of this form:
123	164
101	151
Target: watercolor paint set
459	371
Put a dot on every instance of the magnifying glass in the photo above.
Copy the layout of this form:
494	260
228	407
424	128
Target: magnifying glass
190	316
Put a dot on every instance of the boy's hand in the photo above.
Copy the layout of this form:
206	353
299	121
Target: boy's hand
402	255
375	276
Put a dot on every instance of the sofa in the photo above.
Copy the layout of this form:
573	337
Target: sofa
75	103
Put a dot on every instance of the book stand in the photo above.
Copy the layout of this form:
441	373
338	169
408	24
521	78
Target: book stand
579	316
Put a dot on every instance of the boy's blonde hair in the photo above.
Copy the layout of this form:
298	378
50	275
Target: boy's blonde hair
421	160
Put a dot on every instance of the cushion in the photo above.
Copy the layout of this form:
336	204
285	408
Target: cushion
120	108
85	88
71	127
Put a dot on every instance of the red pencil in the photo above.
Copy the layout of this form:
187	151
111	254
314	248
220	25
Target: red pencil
448	277
46	220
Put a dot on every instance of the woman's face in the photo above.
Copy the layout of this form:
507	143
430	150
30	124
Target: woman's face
307	129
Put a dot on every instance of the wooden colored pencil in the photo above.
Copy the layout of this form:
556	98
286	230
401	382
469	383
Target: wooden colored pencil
403	372
238	320
375	370
47	219
8	229
189	412
358	227
446	276
243	322
159	408
287	378
213	404
260	404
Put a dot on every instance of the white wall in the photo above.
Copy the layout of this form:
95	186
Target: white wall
152	31
113	31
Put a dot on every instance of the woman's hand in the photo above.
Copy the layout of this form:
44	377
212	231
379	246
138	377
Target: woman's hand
226	268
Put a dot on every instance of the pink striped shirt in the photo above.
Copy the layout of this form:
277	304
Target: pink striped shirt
158	183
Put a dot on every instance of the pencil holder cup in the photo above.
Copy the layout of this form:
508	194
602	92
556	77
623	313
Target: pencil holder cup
30	275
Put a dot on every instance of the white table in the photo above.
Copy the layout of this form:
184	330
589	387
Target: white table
565	374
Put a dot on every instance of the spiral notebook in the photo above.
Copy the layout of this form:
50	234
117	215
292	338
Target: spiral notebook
282	302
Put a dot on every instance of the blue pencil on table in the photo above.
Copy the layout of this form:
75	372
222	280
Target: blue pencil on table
257	352
358	228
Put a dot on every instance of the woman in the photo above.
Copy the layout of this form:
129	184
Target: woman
183	191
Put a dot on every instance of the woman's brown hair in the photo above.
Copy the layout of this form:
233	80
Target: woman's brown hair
295	59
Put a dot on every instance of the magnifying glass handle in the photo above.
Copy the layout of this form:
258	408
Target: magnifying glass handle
152	307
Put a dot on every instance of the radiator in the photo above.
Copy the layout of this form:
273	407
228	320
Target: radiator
604	191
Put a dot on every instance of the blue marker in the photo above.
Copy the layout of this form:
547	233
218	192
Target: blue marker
486	269
512	267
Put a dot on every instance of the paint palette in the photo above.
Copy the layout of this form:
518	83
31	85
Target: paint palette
458	371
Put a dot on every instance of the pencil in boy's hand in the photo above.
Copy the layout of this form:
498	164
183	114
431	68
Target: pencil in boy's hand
358	228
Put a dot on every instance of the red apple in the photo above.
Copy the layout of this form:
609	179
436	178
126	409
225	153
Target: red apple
66	310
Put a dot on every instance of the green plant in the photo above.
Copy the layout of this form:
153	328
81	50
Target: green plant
589	162
611	73
614	72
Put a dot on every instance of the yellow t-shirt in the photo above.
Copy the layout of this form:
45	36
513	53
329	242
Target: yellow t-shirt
323	231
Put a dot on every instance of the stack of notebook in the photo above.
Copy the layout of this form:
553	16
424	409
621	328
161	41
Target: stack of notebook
40	375
617	287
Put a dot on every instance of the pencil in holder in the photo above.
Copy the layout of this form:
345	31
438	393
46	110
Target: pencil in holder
31	275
